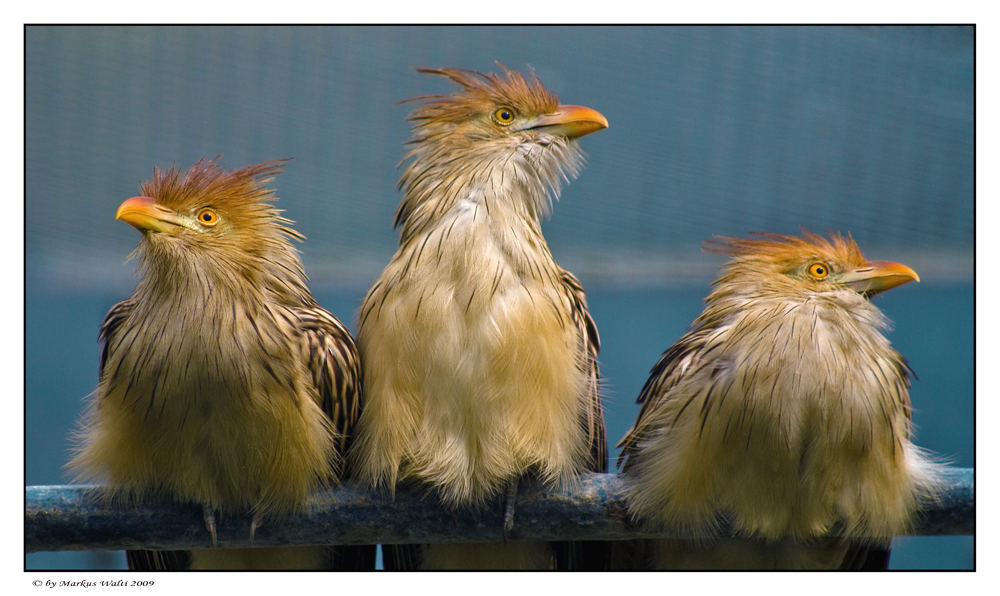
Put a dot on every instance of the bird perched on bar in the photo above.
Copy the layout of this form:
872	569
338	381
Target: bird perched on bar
222	381
478	350
783	416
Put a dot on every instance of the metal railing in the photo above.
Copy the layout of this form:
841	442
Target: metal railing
59	518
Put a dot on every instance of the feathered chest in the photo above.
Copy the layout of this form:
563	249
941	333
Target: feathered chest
481	255
810	348
782	374
468	338
208	349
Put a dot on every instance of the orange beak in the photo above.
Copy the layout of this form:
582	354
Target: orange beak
145	215
879	276
571	122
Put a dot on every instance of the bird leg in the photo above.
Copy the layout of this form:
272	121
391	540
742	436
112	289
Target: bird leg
253	526
209	514
509	498
453	513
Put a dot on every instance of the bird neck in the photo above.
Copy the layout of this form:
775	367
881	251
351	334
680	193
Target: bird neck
202	277
734	293
514	183
837	318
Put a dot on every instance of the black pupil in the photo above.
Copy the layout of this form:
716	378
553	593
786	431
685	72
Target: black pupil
505	115
206	216
819	270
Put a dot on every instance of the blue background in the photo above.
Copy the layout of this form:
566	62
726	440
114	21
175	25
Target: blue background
713	130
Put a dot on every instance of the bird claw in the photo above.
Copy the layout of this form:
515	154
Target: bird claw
510	496
210	523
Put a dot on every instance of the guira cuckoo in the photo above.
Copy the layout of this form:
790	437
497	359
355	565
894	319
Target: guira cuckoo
222	381
782	415
478	350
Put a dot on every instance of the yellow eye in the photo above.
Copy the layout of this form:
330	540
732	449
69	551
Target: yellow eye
819	270
504	115
207	217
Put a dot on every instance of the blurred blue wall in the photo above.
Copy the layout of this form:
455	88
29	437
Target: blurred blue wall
713	130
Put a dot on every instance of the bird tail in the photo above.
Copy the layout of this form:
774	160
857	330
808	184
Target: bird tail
928	471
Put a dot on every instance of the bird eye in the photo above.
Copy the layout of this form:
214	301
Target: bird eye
207	217
504	115
819	270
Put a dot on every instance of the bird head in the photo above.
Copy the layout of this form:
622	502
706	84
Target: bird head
211	219
495	130
811	264
493	110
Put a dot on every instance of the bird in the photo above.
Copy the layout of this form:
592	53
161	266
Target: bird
782	417
479	352
222	381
